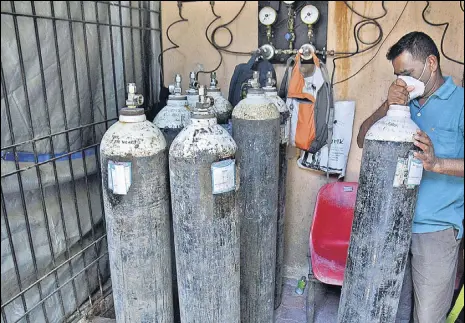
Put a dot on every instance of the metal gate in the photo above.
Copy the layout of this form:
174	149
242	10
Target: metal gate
64	69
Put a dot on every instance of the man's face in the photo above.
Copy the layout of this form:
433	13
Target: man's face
406	64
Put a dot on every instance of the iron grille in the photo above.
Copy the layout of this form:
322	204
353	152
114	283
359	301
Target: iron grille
64	69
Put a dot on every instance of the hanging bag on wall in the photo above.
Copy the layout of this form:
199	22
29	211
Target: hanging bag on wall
311	103
244	72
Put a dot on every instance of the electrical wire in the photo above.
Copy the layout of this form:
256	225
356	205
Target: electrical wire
356	32
223	48
174	45
361	15
211	38
378	41
358	27
446	24
217	17
376	54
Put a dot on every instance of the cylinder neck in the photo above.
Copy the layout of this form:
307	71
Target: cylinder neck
202	111
192	92
177	101
132	119
270	92
177	97
132	115
255	94
214	93
400	111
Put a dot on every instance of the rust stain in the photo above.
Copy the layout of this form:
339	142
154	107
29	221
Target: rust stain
343	19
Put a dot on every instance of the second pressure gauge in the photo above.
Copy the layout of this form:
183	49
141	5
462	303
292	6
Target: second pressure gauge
267	16
309	14
289	2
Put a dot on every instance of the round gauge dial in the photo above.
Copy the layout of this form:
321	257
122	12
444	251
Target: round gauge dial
267	16
309	14
288	2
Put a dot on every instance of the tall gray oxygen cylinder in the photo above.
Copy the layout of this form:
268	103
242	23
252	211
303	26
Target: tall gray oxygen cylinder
192	92
382	227
256	127
206	219
133	156
271	94
171	120
223	109
175	115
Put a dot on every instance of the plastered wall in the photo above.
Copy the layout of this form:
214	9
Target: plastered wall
368	88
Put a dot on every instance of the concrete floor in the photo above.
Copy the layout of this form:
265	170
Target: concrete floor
293	306
292	309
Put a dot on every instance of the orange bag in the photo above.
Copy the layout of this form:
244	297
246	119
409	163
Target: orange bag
305	132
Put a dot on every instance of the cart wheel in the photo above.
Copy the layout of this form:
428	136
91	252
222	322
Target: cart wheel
316	294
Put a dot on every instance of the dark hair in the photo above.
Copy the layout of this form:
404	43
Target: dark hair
419	44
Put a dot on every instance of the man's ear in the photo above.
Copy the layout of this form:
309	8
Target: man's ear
433	63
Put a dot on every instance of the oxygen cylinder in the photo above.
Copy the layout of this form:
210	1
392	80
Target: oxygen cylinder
171	120
193	91
175	115
382	227
222	106
256	128
271	94
206	219
133	156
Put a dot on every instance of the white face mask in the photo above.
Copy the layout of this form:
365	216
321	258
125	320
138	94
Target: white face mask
419	86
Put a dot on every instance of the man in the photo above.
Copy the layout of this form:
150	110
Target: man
438	223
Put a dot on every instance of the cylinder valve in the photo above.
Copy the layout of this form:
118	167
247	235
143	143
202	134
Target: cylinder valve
213	81
176	89
134	100
270	81
193	83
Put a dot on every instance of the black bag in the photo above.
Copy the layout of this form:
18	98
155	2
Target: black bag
244	72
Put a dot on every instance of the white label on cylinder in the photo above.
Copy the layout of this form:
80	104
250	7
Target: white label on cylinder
415	171
283	134
401	172
119	177
285	128
223	176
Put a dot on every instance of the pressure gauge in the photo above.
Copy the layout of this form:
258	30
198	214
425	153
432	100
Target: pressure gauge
309	14
267	16
289	2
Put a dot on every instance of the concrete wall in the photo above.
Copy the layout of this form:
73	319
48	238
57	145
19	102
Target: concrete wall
368	89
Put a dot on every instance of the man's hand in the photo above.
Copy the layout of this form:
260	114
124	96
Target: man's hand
430	161
399	93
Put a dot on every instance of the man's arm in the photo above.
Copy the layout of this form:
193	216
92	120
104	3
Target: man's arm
452	167
368	123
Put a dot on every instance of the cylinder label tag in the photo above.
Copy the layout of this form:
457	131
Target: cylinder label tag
401	172
285	129
415	171
223	176
119	177
409	172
